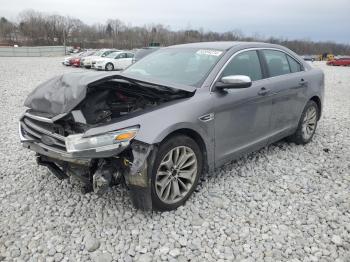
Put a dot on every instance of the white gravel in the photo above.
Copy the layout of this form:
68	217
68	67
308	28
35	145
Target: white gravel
283	203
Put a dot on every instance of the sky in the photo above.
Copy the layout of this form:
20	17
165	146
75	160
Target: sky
318	20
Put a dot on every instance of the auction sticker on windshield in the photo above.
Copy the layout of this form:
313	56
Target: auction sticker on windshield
209	52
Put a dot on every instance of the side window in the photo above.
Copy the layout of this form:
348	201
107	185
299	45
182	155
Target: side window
246	63
277	62
294	65
122	55
130	55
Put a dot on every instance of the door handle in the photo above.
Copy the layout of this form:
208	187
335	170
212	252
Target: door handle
263	91
303	83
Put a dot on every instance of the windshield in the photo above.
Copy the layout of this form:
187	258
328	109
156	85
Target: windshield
187	66
98	53
112	55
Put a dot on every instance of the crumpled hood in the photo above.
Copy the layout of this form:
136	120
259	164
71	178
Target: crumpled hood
61	94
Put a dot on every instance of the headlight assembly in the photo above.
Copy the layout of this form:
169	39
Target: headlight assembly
107	141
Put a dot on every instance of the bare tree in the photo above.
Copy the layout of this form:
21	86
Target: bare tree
7	30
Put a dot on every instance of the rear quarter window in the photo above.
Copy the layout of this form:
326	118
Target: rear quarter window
294	65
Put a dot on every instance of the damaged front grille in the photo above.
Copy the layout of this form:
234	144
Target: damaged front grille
44	132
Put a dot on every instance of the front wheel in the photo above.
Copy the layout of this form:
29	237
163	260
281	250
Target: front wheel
307	124
176	172
109	67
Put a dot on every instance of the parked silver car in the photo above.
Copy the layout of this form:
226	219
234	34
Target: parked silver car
182	110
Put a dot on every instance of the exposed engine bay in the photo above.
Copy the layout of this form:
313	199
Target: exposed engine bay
116	99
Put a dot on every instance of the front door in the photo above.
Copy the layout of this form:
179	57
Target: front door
242	116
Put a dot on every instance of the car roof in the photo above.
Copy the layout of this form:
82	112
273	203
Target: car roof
222	45
109	49
120	51
149	47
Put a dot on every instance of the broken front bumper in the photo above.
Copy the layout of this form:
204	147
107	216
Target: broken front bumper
51	147
43	142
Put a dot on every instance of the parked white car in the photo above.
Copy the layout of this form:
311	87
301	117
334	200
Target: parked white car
66	60
114	61
87	61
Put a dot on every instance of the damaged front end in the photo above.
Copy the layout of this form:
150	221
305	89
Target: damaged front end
55	128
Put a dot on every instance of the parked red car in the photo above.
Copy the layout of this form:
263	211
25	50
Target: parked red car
340	62
75	60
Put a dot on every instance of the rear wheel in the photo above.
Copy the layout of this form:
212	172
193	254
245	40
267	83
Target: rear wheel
176	171
109	67
307	124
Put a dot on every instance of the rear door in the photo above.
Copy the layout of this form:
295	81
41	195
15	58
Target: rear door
128	59
287	84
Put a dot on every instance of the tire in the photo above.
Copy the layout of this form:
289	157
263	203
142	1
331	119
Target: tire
301	135
186	147
109	67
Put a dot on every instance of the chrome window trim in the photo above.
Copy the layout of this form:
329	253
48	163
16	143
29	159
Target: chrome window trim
254	49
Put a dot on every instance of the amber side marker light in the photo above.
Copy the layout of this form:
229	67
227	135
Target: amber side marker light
126	136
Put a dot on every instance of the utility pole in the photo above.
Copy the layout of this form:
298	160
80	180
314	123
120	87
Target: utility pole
64	40
116	38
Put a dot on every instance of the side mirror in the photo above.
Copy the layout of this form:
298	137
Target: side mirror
234	81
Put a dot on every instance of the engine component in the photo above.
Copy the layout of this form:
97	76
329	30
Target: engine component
113	100
54	169
102	179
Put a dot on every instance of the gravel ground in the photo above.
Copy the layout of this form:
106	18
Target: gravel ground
283	203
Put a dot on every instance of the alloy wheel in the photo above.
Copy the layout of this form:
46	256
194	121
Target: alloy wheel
309	123
109	67
176	174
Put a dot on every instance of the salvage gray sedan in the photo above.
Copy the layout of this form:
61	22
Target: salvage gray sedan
179	112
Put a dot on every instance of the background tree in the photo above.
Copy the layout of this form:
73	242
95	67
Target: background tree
37	28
